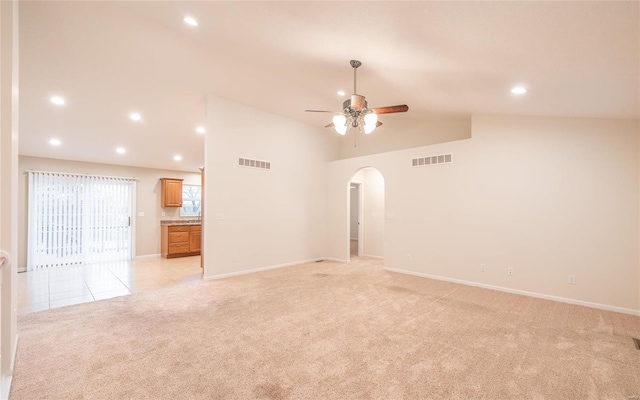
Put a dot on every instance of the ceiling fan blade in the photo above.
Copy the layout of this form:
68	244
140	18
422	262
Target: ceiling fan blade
378	124
330	112
329	125
357	102
391	109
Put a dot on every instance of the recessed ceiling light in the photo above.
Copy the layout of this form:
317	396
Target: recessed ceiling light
57	100
120	150
177	157
519	90
190	21
200	130
135	116
341	93
55	142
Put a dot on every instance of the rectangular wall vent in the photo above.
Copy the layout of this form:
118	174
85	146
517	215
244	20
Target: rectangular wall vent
246	162
432	160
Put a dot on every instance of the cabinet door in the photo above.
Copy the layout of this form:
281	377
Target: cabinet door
172	193
194	241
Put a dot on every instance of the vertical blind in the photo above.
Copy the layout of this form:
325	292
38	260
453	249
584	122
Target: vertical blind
78	219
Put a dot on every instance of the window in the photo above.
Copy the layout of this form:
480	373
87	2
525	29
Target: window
191	196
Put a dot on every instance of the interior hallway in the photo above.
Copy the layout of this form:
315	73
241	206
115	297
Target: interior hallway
47	288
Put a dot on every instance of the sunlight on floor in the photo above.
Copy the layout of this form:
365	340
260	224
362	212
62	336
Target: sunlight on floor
48	288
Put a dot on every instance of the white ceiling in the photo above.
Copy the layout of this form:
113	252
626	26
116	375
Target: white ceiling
579	59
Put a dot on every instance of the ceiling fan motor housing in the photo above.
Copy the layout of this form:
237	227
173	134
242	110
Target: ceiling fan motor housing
346	105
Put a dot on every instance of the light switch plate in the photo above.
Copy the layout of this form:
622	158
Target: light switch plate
219	216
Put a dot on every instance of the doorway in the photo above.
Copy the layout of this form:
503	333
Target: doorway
354	220
366	214
78	219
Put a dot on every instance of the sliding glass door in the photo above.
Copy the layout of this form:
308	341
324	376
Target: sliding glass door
78	219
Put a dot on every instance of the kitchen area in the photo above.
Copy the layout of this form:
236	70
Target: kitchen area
181	237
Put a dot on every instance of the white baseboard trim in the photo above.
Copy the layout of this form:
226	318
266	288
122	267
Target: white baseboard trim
250	271
7	379
372	256
147	256
15	352
520	292
340	260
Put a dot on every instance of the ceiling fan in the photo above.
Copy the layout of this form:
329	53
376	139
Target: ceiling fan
355	112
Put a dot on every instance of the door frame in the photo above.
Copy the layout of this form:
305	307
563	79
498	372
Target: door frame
360	217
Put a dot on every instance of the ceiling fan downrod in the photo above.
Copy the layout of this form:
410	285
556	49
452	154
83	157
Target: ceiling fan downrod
355	64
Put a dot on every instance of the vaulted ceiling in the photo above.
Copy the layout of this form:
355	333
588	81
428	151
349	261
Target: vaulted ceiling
108	59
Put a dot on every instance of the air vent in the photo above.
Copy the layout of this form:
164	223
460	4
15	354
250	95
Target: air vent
432	160
248	163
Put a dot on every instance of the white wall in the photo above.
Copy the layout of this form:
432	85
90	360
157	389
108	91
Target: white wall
148	196
270	217
373	204
9	104
400	131
548	197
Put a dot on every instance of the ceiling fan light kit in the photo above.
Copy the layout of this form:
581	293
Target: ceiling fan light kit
355	112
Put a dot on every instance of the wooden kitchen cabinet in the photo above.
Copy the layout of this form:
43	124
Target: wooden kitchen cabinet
195	240
180	240
171	192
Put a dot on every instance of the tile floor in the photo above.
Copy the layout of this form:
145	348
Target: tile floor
44	289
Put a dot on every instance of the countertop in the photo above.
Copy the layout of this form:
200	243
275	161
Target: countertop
174	222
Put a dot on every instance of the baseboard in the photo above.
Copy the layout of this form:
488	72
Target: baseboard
251	271
340	260
372	256
7	379
147	256
15	352
520	292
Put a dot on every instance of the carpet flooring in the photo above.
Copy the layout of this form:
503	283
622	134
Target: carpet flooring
326	331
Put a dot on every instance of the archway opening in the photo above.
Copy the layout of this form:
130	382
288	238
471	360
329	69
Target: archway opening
366	214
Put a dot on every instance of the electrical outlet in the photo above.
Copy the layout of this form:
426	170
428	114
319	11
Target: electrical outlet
572	280
164	214
483	267
141	214
510	271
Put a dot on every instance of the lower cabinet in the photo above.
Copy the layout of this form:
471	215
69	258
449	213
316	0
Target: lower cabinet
180	240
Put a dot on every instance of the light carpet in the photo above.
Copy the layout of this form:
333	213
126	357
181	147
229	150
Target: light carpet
326	331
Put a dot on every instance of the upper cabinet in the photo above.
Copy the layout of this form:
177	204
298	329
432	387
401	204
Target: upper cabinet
171	192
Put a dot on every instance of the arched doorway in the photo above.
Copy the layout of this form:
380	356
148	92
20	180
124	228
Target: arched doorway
366	213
